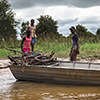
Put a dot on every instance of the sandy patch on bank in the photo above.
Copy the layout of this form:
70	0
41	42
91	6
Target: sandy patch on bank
4	62
5	71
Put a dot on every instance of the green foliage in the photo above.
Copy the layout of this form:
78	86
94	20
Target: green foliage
48	39
89	50
98	32
60	45
81	30
7	21
85	36
47	24
23	28
4	53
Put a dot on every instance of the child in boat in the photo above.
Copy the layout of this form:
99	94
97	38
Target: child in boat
27	41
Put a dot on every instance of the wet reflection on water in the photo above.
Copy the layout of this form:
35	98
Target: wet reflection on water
10	89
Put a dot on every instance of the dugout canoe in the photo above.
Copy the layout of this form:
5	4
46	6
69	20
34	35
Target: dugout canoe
64	72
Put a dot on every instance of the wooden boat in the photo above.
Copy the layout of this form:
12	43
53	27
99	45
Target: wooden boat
64	72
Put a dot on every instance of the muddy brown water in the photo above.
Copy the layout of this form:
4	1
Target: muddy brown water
11	89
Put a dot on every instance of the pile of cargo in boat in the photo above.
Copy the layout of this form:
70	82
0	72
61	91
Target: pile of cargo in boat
31	58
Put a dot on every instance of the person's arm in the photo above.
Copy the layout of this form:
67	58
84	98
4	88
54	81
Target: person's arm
36	29
28	27
22	43
78	46
77	40
71	51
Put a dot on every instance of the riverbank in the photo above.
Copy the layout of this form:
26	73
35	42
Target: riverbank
4	62
62	50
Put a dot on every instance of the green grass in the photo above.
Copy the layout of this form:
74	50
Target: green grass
4	53
60	45
90	50
61	50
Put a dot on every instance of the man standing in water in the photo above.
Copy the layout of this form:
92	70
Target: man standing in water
75	45
33	29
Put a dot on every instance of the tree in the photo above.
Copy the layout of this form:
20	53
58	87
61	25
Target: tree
47	24
81	30
7	21
23	28
98	32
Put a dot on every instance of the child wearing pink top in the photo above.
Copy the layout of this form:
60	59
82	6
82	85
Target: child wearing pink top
27	41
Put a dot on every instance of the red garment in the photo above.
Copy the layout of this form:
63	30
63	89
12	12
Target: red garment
26	49
27	42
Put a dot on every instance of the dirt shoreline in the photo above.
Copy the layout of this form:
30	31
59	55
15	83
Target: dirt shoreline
4	62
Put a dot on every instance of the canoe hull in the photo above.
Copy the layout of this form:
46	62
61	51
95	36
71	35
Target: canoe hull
56	75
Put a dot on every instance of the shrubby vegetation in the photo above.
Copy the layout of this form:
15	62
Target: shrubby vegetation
48	39
7	25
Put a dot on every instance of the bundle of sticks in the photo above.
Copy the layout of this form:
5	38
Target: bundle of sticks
31	58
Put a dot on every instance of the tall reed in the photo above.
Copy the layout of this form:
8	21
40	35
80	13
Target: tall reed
48	42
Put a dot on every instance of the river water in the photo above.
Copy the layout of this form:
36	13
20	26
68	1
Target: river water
11	89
